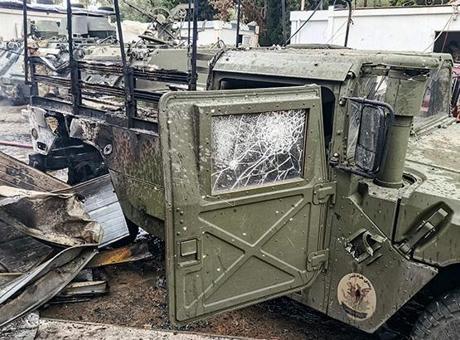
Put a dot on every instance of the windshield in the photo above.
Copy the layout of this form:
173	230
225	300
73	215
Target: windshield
436	101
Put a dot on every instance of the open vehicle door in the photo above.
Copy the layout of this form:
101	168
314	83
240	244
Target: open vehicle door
243	222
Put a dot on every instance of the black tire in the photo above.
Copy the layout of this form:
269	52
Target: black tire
440	320
84	171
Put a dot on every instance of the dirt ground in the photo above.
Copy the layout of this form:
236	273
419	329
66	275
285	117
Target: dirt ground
137	294
138	298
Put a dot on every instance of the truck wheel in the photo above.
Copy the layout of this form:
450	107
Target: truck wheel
441	319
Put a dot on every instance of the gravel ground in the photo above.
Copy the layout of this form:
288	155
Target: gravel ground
137	294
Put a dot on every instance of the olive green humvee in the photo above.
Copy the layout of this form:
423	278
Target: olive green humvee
329	175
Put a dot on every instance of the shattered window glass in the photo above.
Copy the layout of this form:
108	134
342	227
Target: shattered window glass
436	100
257	149
373	87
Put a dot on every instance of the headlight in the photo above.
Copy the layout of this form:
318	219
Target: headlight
34	133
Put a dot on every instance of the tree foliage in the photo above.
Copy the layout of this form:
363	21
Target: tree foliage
225	9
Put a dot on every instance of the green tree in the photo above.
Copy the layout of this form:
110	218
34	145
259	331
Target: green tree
277	24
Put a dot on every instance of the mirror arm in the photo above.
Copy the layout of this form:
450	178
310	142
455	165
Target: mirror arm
374	102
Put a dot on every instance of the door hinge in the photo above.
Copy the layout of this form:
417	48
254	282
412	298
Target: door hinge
317	259
323	191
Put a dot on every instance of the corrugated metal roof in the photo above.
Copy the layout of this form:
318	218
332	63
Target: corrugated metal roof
101	204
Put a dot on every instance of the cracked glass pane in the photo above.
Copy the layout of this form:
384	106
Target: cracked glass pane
257	149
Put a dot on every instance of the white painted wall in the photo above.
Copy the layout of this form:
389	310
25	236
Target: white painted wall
132	30
397	29
11	21
209	32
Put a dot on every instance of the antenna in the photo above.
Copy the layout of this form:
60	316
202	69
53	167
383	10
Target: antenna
302	26
26	47
238	18
193	75
348	22
189	31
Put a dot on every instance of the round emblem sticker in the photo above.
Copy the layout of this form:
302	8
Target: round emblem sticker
357	296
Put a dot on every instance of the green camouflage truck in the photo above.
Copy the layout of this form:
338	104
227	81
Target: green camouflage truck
311	172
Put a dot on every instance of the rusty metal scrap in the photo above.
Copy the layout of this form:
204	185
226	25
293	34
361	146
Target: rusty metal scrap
51	236
56	218
98	197
86	288
18	174
130	253
16	144
20	252
11	288
45	287
24	328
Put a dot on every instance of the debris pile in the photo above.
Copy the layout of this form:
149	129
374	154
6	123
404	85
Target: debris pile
52	234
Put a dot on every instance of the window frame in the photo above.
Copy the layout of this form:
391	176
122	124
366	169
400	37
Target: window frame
205	113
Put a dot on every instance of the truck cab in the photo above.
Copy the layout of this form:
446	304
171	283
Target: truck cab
298	171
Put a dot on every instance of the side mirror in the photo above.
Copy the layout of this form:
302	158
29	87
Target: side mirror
368	130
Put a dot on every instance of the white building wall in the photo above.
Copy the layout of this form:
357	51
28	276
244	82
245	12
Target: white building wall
397	29
211	32
11	21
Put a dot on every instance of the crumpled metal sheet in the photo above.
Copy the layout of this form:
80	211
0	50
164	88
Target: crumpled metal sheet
8	277
67	218
99	198
101	203
57	218
49	280
20	252
24	328
17	174
12	287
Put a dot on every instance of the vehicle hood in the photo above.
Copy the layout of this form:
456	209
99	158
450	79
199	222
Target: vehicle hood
439	147
433	160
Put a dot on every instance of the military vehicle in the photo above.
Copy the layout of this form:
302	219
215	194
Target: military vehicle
307	171
160	47
47	39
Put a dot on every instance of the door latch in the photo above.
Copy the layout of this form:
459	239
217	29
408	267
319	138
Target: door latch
323	191
317	259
